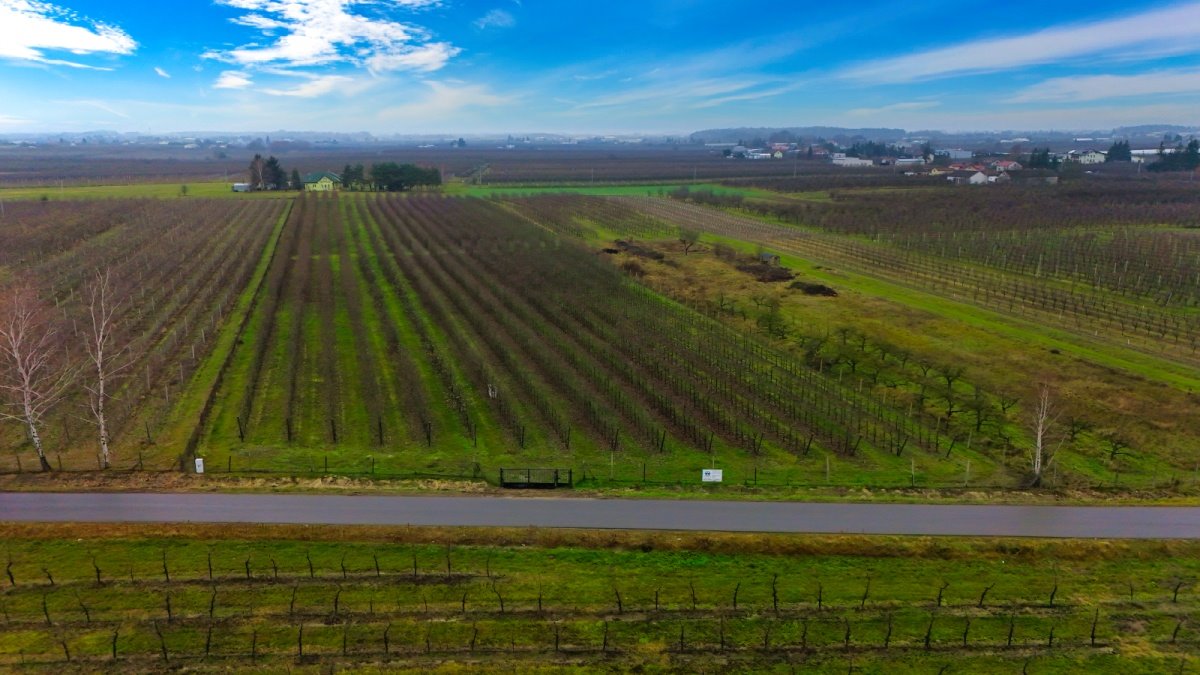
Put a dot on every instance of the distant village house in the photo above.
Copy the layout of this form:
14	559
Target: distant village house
323	181
1087	156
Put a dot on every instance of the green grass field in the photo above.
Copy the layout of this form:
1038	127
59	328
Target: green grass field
195	597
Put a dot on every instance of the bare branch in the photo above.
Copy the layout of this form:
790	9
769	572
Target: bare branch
32	379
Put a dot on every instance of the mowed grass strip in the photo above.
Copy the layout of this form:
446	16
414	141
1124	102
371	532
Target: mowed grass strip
523	598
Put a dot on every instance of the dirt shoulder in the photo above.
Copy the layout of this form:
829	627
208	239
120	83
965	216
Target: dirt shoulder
183	482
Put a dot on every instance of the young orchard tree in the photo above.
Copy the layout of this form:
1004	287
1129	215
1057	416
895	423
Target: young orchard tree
688	237
1042	423
31	377
103	355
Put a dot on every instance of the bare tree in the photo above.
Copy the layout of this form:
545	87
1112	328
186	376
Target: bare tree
1042	425
31	377
103	354
257	173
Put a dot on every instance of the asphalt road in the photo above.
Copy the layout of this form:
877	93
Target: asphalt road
1017	521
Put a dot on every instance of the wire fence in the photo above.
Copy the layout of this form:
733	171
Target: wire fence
627	474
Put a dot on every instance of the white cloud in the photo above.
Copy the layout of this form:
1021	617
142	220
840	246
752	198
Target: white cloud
444	100
305	33
753	95
497	18
8	121
589	77
162	73
318	86
1174	29
1099	87
233	79
895	107
425	58
29	28
647	85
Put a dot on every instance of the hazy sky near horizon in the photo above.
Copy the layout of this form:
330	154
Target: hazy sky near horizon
483	66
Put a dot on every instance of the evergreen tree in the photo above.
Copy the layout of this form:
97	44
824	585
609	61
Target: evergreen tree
1119	152
1184	158
273	175
393	177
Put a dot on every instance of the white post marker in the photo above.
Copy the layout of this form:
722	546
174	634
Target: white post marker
711	475
199	465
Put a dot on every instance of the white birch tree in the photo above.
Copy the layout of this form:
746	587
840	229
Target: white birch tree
103	356
1041	425
30	377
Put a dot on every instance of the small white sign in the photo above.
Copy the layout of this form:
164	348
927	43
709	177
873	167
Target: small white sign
199	465
711	475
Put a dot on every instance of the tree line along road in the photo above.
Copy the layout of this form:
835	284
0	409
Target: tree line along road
781	517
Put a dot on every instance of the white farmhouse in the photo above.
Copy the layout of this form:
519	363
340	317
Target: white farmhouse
1087	157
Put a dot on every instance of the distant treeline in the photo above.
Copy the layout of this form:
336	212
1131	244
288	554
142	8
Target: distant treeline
1184	158
389	177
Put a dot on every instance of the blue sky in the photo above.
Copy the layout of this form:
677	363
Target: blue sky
482	66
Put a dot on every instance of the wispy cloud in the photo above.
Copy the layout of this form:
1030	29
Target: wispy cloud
99	105
162	73
307	33
320	85
30	28
425	58
707	79
682	93
752	95
445	99
1100	87
233	79
1176	29
589	77
9	121
893	108
1071	117
496	18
